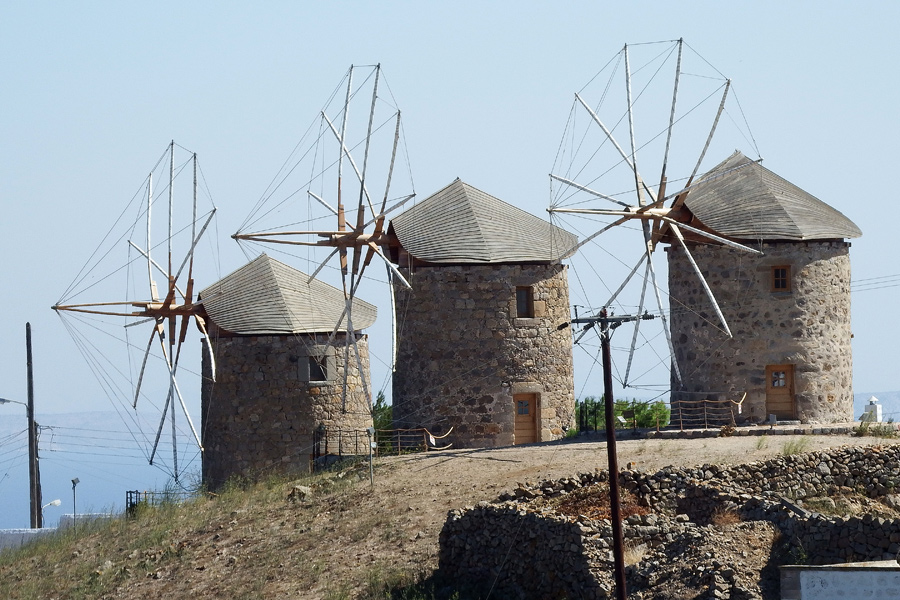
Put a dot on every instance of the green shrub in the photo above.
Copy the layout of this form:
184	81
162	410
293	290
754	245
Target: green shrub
867	426
590	415
382	413
795	446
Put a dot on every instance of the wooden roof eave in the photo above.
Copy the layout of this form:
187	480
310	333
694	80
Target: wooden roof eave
683	214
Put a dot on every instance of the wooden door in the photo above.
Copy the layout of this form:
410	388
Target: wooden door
780	391
526	418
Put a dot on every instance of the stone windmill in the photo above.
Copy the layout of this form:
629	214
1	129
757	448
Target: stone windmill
758	269
283	388
610	153
479	347
789	309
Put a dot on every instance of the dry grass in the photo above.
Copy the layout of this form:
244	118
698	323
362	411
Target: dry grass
797	445
346	541
247	541
871	428
725	516
634	553
593	503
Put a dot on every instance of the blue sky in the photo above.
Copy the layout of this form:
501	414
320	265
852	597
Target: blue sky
93	92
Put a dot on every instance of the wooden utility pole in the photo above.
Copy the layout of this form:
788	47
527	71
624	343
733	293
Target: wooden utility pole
615	502
34	471
607	324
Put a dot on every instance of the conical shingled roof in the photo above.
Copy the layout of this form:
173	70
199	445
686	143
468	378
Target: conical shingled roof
266	297
462	224
741	199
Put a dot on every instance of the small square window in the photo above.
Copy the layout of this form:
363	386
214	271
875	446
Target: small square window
781	278
522	407
318	370
779	379
524	302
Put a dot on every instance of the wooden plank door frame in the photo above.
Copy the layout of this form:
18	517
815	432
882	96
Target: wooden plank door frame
533	409
772	389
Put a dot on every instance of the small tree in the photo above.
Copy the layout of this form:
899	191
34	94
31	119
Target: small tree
590	413
647	413
382	413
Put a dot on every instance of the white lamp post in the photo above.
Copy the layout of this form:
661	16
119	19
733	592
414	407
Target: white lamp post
56	502
75	482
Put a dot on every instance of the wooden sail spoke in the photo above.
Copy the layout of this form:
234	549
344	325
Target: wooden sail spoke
185	322
370	252
201	324
357	256
661	193
595	235
392	208
137	391
588	190
637	326
627	280
612	140
390	175
665	324
390	265
638	180
361	216
94	308
343	255
346	152
665	161
322	264
189	256
353	238
153	290
322	202
709	294
162	422
175	388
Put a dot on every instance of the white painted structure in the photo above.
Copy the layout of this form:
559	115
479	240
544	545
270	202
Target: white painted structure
876	580
14	538
872	411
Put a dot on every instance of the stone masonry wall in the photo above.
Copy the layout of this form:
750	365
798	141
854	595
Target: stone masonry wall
808	327
260	414
520	545
463	352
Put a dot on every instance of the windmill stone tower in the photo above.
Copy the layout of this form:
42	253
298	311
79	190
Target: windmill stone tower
789	309
278	380
479	345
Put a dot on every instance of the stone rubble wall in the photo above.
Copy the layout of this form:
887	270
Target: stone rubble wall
808	327
507	543
261	412
463	353
524	554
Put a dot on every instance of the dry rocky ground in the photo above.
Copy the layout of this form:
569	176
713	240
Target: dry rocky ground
347	540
